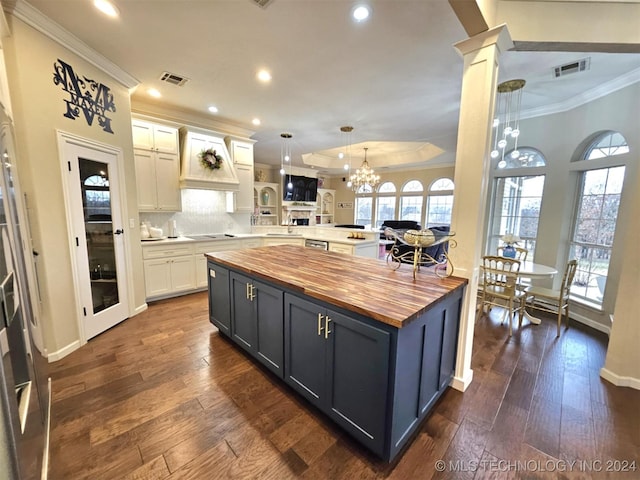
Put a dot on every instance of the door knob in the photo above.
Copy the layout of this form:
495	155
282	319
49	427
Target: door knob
118	232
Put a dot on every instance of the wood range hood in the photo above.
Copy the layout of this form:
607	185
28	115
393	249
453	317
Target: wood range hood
193	174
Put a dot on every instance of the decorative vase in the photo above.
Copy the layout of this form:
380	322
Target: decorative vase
265	197
509	251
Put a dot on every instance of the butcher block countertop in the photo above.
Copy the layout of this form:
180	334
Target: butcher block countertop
363	285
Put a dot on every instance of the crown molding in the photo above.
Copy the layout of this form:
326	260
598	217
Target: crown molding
37	20
583	98
181	117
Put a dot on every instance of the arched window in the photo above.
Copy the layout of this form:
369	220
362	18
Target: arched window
387	187
411	201
607	144
385	203
516	200
440	202
364	206
96	195
527	157
441	184
594	224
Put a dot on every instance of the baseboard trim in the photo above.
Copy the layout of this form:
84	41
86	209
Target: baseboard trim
140	309
590	323
63	352
620	381
461	383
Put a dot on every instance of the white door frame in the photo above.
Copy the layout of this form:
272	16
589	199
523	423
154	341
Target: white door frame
66	139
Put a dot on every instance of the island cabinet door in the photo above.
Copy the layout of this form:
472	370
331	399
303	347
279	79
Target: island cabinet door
219	307
358	378
269	339
305	348
243	318
257	320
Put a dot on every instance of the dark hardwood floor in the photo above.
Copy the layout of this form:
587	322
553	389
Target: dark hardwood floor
165	396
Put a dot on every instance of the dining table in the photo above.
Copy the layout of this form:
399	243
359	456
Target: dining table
533	271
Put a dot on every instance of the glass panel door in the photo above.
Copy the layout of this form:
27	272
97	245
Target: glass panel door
96	201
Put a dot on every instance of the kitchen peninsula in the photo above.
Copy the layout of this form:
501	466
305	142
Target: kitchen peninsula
368	345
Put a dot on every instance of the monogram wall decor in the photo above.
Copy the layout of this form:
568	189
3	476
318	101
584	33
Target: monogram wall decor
92	98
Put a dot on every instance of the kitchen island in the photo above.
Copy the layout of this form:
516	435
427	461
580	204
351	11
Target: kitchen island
369	346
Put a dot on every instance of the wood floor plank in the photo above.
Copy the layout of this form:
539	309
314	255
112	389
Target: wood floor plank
188	404
466	448
156	469
543	426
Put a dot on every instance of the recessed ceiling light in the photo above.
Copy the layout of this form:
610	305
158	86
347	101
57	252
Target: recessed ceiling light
106	7
154	93
264	76
256	121
361	12
213	109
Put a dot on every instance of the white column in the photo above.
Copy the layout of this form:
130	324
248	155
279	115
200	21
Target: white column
622	366
472	173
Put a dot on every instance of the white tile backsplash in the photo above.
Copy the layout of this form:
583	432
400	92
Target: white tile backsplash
203	211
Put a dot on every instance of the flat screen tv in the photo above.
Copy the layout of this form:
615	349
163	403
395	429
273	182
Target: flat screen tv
303	189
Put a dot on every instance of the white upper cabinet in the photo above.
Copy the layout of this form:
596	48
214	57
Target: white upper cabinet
156	137
241	151
242	156
157	166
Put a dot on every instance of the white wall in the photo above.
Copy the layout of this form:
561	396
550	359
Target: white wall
38	107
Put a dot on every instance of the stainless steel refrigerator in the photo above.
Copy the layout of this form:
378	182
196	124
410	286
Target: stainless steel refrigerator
24	392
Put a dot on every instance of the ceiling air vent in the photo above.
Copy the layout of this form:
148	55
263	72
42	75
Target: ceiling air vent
262	3
173	79
573	67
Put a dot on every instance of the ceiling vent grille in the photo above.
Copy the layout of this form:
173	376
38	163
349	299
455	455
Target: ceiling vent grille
573	67
262	3
173	79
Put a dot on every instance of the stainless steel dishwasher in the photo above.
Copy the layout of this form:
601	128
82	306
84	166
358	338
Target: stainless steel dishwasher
322	244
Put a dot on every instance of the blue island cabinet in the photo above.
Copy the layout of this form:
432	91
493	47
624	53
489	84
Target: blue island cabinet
256	313
376	381
219	305
339	364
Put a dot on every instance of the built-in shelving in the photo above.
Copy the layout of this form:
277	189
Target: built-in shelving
265	200
325	209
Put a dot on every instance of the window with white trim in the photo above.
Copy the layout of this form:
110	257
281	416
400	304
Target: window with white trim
411	201
440	202
364	206
385	203
594	229
516	201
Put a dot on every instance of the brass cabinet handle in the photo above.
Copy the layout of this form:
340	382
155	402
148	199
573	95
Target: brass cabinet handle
252	295
326	326
247	291
320	327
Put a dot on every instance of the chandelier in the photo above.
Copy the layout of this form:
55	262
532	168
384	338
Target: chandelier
365	175
506	123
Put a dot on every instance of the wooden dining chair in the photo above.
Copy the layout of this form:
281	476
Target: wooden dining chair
499	286
554	300
521	253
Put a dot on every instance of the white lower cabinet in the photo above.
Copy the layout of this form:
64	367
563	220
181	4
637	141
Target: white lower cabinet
169	275
201	261
271	241
251	242
168	269
340	248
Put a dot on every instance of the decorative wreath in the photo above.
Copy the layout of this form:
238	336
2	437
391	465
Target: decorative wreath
210	159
